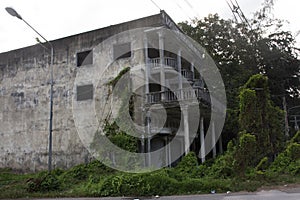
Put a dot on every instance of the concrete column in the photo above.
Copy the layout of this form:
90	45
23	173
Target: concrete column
193	70
221	145
296	123
167	151
186	129
170	155
148	116
179	74
143	143
162	63
202	149
113	158
147	70
213	141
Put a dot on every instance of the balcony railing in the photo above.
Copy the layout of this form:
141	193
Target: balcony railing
178	95
169	128
187	74
171	62
168	61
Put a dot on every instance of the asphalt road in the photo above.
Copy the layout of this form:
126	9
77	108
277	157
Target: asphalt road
263	195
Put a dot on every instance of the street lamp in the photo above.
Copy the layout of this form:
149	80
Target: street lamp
14	13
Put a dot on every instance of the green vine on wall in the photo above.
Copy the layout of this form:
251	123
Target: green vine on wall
114	81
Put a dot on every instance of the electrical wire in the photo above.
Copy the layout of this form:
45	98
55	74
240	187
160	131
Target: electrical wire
155	4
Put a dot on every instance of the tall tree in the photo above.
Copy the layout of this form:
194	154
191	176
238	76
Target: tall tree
259	117
240	51
280	56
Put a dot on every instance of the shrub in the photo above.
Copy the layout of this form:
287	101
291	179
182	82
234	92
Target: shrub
263	164
79	172
294	167
245	152
48	182
287	161
293	151
280	163
138	184
97	167
296	138
187	167
223	166
160	183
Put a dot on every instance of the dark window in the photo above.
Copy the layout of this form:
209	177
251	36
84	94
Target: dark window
122	50
84	92
84	58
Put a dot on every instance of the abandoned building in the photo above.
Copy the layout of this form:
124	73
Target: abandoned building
25	94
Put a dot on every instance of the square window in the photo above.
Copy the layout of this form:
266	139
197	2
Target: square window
84	58
85	92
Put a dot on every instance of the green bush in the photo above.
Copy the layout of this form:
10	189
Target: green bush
222	167
287	161
263	164
187	167
280	163
293	151
78	172
97	167
296	138
245	153
294	167
160	183
48	182
137	184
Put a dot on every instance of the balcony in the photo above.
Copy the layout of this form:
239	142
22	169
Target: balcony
179	95
171	62
170	127
187	74
168	61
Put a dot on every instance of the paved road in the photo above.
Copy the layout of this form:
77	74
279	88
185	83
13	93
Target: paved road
263	195
279	194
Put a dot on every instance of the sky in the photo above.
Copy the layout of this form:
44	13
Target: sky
60	18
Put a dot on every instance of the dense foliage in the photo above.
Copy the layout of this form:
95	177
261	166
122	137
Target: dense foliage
243	49
259	117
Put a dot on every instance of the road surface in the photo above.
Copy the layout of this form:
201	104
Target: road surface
263	195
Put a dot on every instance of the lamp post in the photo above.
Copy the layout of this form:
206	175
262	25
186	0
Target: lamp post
14	13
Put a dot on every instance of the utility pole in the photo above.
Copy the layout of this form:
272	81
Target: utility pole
14	13
286	122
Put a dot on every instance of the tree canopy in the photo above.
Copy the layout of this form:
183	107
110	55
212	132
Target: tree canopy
241	49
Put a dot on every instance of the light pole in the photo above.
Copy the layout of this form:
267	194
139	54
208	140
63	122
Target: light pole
14	13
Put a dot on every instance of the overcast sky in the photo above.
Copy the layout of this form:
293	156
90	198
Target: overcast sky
60	18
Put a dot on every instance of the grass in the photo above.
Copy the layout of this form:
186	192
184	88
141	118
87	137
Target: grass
95	179
13	185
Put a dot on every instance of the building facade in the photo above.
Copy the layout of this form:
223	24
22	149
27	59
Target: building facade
25	92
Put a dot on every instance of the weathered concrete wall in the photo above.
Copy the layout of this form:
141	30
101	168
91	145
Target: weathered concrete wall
24	99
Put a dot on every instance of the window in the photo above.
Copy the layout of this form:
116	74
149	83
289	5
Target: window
84	58
122	50
84	92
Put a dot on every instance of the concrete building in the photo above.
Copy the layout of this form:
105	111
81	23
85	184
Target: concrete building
25	86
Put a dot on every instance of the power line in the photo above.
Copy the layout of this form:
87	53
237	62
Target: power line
192	8
155	4
183	11
237	12
180	7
